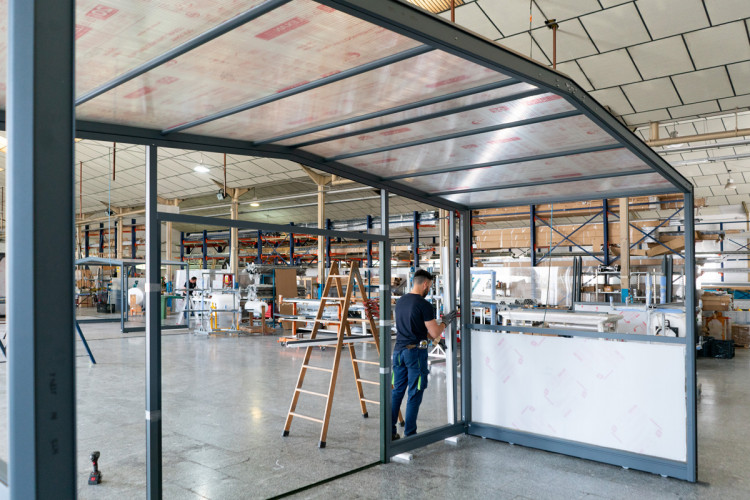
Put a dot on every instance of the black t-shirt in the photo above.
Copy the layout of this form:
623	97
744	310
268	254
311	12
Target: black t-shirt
412	311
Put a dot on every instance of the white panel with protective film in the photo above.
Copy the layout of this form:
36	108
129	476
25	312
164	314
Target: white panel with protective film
119	35
488	116
627	396
548	170
292	45
539	138
413	114
431	74
609	187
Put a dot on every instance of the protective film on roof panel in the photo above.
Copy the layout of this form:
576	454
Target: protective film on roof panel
540	171
560	135
428	75
487	116
599	188
414	114
297	43
113	36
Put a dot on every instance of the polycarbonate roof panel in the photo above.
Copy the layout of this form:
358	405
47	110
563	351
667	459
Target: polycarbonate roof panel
509	112
306	69
431	74
547	137
540	171
294	44
414	114
590	189
119	35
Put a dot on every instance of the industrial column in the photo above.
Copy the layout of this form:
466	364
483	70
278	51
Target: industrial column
532	251
384	255
118	235
153	331
169	243
41	357
234	240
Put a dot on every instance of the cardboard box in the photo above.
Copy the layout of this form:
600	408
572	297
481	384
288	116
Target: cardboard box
741	335
713	302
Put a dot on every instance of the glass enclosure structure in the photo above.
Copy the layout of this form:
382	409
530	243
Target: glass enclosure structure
378	92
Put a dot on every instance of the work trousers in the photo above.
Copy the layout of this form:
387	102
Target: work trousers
409	373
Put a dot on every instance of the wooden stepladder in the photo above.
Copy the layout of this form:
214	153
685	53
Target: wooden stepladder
345	297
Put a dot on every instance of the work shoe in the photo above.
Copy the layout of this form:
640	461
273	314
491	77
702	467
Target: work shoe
395	437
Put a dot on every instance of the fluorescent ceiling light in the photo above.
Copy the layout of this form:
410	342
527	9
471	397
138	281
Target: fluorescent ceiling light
201	169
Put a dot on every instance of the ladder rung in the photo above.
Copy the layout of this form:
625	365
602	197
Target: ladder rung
370	401
366	362
338	275
318	368
313	393
333	298
306	417
367	381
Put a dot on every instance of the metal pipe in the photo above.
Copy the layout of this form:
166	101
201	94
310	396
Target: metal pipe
710	136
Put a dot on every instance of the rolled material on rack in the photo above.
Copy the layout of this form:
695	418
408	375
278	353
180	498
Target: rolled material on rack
255	306
138	294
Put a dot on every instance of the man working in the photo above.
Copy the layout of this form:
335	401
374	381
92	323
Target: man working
415	323
192	284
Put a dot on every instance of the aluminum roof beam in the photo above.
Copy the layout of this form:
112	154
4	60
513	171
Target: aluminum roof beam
343	75
436	32
416	119
184	48
457	135
393	110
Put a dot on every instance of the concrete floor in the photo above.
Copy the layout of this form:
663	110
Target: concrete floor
225	400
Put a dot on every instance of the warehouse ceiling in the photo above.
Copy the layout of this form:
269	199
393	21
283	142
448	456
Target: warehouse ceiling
684	63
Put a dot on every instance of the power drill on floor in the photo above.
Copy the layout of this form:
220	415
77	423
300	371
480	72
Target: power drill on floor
95	477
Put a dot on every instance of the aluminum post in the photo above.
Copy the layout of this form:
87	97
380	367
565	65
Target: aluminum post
415	243
101	238
153	331
452	344
690	372
205	249
384	256
605	227
291	246
465	290
328	245
41	357
368	224
133	246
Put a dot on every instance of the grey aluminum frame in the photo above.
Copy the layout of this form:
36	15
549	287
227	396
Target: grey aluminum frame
40	121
